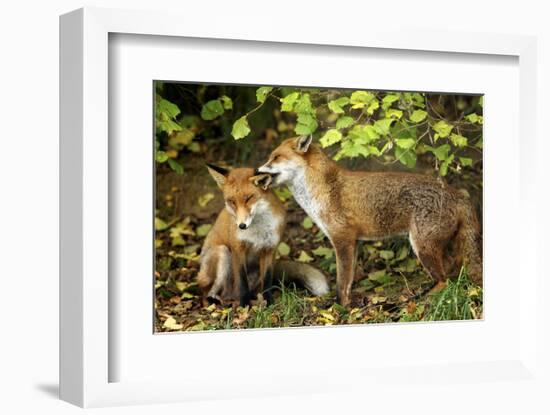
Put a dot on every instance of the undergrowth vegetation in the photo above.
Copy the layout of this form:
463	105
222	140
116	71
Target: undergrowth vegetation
293	307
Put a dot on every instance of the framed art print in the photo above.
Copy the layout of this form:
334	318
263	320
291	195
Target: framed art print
301	213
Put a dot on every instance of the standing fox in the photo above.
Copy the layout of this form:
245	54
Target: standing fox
237	258
355	205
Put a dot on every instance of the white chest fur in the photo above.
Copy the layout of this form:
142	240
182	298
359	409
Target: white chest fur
263	232
306	200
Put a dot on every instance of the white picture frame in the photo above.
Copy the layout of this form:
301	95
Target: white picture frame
86	356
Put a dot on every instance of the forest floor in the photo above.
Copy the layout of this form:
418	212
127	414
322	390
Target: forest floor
390	285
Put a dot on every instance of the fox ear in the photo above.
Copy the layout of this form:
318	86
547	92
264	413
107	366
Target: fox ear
218	173
261	180
303	142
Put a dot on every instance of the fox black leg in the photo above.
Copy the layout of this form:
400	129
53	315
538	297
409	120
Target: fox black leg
244	291
268	285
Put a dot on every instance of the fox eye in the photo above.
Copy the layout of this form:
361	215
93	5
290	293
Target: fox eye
275	157
230	202
247	199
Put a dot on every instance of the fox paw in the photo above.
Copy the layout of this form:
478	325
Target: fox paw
214	299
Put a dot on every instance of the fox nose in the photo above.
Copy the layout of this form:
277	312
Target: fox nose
242	225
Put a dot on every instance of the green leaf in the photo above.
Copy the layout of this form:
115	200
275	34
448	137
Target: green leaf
283	249
344	122
304	257
262	92
166	107
386	254
287	103
361	99
201	325
479	143
240	128
226	102
307	223
160	225
458	140
442	128
402	129
418	115
174	165
352	149
194	147
363	134
402	254
393	113
388	100
371	132
282	193
408	265
466	161
440	152
167	125
382	127
324	252
418	99
177	231
366	284
212	110
303	104
414	99
331	137
374	151
445	165
181	139
379	276
474	118
178	241
405	143
337	105
373	106
161	156
205	199
303	129
203	230
306	123
406	157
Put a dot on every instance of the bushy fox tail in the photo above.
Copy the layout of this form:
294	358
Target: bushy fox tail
306	275
468	241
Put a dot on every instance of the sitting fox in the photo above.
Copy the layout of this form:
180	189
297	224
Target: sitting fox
237	258
355	205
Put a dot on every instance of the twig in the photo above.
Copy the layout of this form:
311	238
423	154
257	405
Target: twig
398	159
253	110
406	283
